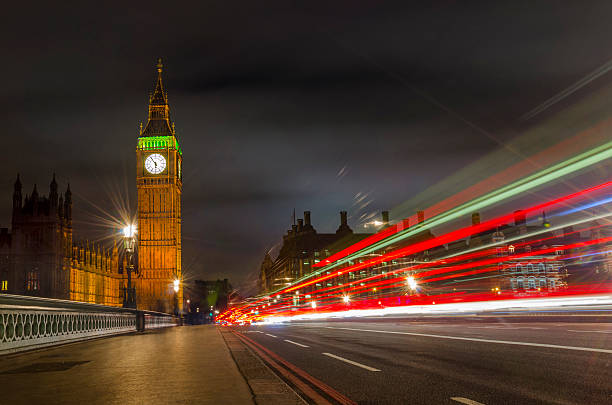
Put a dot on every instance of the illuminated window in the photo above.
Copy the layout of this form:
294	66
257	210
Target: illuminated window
4	285
32	281
531	282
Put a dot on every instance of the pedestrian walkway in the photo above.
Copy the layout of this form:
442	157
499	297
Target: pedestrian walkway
182	365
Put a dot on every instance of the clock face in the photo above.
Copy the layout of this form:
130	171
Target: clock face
155	163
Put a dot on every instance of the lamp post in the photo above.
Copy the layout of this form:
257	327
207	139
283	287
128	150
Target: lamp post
129	239
176	285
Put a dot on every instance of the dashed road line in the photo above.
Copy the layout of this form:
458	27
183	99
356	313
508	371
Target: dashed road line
267	334
505	342
466	401
354	363
295	343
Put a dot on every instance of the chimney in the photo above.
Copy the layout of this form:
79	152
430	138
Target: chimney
421	216
519	218
307	218
343	224
385	218
475	218
300	224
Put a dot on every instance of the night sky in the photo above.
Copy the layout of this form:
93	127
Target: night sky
278	105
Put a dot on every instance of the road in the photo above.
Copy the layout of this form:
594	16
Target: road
455	361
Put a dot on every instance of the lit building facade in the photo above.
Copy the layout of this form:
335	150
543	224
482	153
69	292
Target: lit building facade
38	257
159	183
302	247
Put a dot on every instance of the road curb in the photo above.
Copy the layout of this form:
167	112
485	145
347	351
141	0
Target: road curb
265	385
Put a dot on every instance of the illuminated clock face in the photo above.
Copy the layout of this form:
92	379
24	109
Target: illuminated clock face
155	163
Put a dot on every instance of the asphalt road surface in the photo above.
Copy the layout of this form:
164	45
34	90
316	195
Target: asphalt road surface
450	362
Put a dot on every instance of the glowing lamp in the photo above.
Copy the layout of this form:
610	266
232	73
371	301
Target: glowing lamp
313	305
412	284
346	299
176	285
129	231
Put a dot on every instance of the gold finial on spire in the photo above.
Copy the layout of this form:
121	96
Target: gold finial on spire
159	65
140	128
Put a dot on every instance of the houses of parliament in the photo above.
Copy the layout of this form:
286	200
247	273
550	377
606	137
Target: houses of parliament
38	256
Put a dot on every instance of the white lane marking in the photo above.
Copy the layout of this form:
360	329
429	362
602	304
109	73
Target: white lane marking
466	401
295	343
589	331
267	334
505	342
354	363
504	327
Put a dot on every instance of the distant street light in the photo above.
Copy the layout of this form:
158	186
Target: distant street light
346	299
313	304
176	285
412	283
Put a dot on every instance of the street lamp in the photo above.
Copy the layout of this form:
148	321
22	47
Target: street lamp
176	285
129	240
412	283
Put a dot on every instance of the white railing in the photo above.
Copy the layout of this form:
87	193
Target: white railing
30	322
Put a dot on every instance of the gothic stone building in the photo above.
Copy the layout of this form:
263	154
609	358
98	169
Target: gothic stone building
159	181
38	257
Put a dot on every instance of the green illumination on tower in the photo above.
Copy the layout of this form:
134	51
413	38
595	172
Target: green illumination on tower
159	142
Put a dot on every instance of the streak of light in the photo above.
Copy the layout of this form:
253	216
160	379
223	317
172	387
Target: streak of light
600	71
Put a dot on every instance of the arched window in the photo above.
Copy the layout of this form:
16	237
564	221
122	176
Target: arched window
532	283
530	268
541	268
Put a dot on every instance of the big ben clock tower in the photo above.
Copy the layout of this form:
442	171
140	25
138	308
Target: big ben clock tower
159	182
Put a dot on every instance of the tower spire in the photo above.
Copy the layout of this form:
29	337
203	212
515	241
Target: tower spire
158	123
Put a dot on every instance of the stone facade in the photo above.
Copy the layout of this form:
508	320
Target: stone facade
302	247
38	258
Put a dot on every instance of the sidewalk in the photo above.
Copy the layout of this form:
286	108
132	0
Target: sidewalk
182	365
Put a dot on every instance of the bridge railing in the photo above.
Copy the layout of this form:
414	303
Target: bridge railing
33	322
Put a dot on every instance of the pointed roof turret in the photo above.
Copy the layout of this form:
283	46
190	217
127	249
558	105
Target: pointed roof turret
158	123
18	183
159	97
34	192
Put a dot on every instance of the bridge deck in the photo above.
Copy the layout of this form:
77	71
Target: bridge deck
174	365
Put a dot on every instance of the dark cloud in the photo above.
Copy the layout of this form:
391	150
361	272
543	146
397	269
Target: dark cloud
273	99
